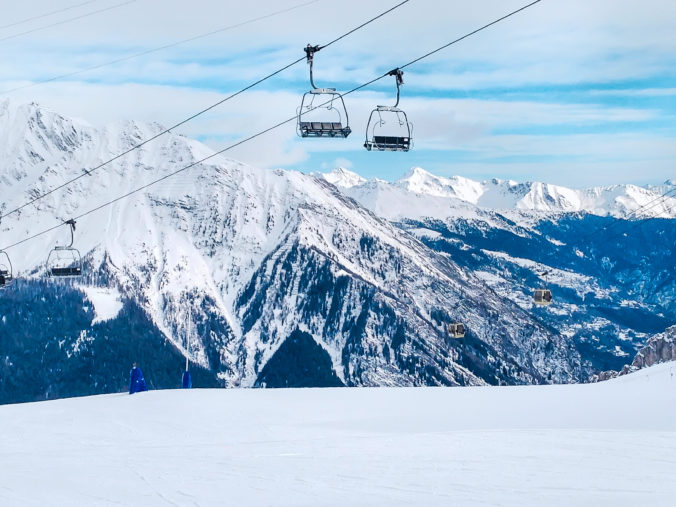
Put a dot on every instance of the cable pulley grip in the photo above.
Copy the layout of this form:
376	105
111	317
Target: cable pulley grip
310	52
398	74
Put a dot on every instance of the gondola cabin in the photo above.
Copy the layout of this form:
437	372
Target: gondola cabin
456	330
542	297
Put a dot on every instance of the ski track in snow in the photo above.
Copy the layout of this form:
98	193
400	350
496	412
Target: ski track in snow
608	444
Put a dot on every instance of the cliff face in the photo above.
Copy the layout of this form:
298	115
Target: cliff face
661	348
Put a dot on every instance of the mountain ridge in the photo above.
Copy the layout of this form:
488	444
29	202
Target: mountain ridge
620	201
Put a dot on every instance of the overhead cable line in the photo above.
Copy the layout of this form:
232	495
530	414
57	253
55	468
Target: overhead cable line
88	172
47	14
640	223
660	199
63	22
653	203
663	198
254	136
160	48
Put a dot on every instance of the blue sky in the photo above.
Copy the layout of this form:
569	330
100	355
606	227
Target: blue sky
577	93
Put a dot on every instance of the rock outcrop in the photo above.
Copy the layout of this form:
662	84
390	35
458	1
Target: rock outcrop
658	349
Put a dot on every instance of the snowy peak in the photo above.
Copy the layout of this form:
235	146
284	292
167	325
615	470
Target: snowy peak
343	178
419	181
447	193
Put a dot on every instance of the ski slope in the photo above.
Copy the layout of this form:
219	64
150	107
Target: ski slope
606	444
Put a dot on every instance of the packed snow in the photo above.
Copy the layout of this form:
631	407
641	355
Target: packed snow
607	444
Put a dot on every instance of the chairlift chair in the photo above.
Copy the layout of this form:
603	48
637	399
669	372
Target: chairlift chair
6	274
379	135
65	261
456	330
322	111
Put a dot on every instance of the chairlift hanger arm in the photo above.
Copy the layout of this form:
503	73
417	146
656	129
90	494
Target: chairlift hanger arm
310	51
399	78
71	223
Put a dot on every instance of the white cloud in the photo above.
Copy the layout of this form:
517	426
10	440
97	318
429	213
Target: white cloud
342	162
551	43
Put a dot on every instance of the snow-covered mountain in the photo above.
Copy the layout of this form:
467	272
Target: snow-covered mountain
239	260
612	278
420	193
342	177
250	256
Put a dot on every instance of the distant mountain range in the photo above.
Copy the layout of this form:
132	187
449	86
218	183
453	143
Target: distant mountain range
267	272
420	193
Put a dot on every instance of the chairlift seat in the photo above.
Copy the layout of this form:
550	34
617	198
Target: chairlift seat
388	143
67	271
323	129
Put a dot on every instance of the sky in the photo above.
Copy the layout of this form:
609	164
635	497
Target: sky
576	92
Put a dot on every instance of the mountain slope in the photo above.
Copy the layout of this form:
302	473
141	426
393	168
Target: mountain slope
612	278
249	256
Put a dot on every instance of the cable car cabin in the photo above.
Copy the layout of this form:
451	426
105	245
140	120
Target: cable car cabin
64	261
6	275
456	330
389	130
542	297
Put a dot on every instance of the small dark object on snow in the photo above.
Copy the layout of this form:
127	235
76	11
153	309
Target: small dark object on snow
136	381
186	382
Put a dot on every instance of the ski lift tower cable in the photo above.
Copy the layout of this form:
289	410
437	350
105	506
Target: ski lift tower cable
47	14
199	113
65	21
258	134
160	48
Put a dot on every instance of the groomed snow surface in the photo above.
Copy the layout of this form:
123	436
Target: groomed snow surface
606	444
